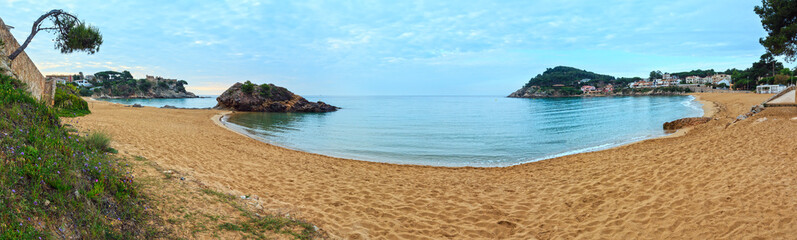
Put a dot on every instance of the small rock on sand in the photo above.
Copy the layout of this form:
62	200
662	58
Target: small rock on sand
685	122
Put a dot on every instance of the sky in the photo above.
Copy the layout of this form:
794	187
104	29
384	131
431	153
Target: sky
343	48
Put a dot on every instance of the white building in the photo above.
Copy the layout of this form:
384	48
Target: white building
692	79
719	77
83	83
767	89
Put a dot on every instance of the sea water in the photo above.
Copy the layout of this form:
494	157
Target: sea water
201	102
481	131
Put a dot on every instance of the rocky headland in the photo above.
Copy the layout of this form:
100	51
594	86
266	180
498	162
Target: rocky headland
548	92
152	93
267	98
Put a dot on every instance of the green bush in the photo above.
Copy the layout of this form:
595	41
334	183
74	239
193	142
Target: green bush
54	184
265	90
248	87
144	85
99	140
68	103
85	92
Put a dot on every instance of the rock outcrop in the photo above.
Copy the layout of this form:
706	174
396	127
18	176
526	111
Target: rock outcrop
537	92
685	122
267	99
170	91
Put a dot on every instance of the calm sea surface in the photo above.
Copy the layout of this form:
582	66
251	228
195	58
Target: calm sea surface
466	131
204	102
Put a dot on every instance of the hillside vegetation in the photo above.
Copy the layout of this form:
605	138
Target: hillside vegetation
112	84
564	81
57	184
567	76
68	102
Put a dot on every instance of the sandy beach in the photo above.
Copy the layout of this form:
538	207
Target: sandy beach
718	180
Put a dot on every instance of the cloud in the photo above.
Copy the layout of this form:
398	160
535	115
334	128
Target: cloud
312	44
206	43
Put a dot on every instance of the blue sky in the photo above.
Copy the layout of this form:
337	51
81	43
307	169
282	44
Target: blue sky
396	47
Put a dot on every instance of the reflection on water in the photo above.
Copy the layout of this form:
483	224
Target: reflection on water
271	123
467	131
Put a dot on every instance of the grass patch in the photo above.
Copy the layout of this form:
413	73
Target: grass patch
56	185
222	196
99	140
257	226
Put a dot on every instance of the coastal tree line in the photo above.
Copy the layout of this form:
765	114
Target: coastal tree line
123	84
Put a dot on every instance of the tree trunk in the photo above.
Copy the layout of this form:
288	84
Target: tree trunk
34	30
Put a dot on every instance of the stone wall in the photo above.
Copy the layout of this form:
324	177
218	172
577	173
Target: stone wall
23	68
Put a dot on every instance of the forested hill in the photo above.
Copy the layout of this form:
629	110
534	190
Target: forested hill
564	81
112	84
568	76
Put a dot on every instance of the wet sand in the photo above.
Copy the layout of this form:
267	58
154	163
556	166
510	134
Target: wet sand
715	181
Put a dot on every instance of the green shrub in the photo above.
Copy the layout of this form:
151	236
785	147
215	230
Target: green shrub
144	85
99	141
85	92
53	183
68	103
248	87
265	90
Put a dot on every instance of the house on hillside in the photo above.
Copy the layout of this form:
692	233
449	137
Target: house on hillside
642	84
63	77
83	83
156	79
720	77
692	79
588	88
608	88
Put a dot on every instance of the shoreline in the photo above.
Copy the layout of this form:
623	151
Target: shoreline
606	95
666	187
709	109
